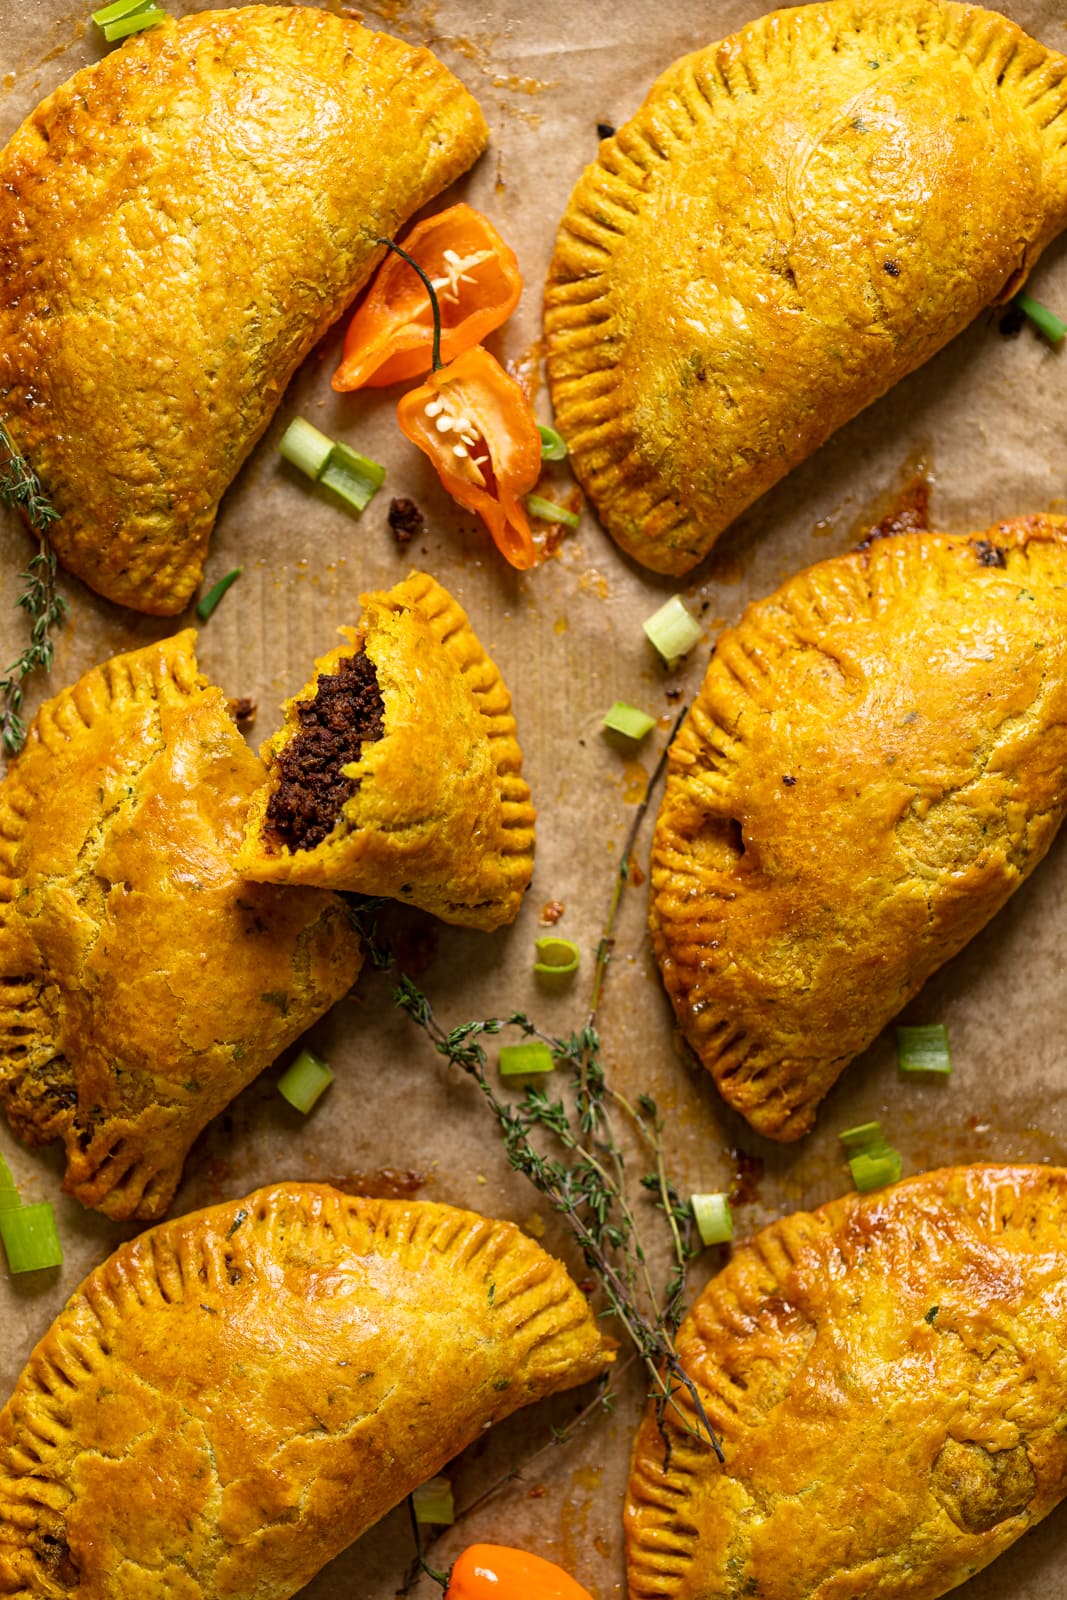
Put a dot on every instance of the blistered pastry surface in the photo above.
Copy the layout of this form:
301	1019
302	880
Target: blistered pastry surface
142	982
773	239
876	760
885	1375
181	223
236	1395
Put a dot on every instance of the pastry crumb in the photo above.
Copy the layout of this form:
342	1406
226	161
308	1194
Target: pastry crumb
242	709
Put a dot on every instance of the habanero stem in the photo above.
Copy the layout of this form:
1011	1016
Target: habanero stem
421	1563
430	290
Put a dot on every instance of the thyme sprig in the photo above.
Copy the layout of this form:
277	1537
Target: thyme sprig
587	1188
584	1178
20	488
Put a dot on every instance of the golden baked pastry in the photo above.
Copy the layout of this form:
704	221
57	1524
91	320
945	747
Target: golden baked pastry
142	983
776	238
886	1375
235	1396
876	759
398	772
179	224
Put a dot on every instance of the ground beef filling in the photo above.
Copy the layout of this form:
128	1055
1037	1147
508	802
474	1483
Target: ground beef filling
345	714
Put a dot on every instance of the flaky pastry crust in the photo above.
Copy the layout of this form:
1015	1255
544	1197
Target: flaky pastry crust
235	1396
142	983
179	224
775	239
440	814
876	760
886	1376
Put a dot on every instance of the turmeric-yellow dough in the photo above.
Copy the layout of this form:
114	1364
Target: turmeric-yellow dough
398	772
795	219
886	1376
142	983
179	224
876	759
236	1395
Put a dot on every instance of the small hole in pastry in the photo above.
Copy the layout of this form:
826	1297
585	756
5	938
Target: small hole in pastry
345	713
735	839
54	1555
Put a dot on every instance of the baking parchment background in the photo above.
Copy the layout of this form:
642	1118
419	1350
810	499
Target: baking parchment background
984	422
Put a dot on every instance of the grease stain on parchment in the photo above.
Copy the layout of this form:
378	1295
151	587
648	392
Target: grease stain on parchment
65	33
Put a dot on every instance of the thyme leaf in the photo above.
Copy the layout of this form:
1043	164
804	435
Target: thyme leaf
20	489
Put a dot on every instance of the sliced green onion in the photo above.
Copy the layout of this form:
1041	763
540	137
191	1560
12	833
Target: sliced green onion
924	1049
305	1081
305	447
714	1220
628	720
9	1195
30	1238
352	477
863	1136
553	444
207	603
873	1169
556	957
1045	321
135	22
120	8
548	511
673	629
433	1502
516	1060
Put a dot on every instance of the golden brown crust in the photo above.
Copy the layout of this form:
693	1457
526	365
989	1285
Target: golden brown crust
876	760
441	816
235	1396
179	224
142	983
886	1375
773	241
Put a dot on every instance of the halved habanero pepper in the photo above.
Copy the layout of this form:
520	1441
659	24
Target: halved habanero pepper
475	423
478	283
496	1572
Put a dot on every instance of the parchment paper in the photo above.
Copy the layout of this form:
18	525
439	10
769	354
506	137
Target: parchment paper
984	421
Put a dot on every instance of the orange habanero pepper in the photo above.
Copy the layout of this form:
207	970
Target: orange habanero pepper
478	283
495	1572
475	423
